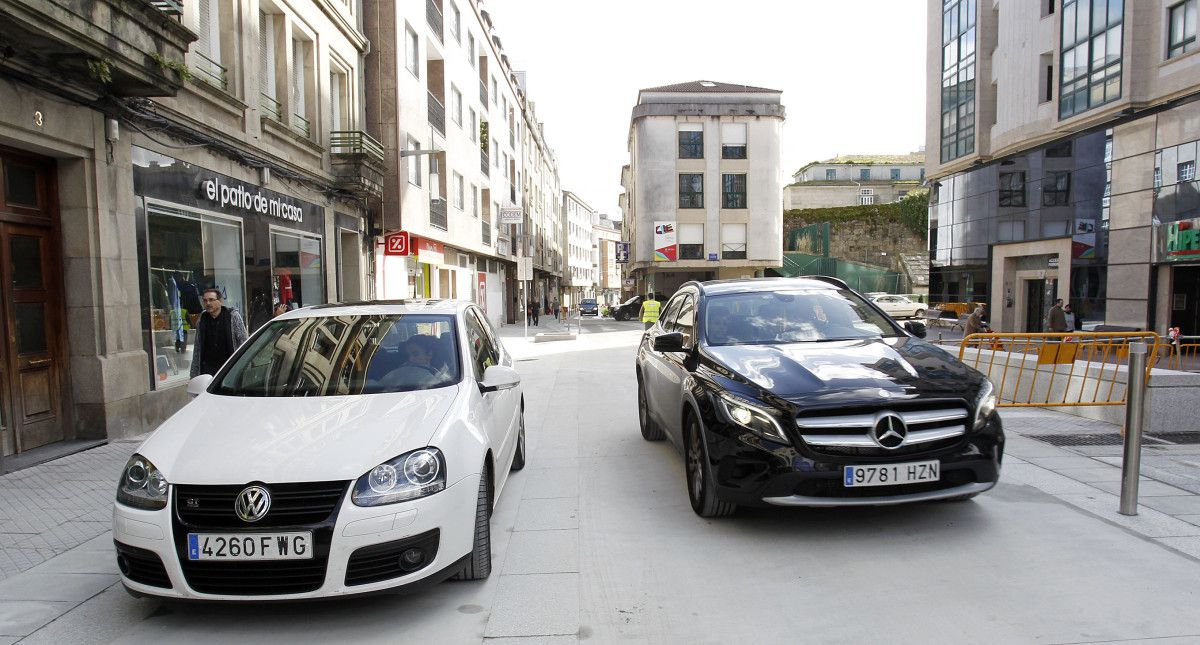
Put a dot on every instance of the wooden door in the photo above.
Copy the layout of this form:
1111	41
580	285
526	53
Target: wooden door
32	309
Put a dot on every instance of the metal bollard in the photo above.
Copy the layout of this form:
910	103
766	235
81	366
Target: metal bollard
1135	404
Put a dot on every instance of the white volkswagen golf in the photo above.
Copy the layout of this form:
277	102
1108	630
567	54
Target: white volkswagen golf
343	449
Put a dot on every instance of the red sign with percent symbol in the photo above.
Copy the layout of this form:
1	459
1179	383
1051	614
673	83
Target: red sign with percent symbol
397	244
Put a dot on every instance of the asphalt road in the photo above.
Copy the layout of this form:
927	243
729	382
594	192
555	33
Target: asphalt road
595	541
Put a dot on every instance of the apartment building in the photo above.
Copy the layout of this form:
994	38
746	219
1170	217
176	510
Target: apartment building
150	150
579	271
454	122
542	207
1062	160
702	190
855	180
606	235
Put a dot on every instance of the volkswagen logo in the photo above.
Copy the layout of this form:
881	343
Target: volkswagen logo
252	503
889	432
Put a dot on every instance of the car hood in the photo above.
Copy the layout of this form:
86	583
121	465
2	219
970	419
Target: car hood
233	440
842	371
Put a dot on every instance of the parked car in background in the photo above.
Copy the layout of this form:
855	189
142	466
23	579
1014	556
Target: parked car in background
589	307
796	392
343	449
899	306
629	310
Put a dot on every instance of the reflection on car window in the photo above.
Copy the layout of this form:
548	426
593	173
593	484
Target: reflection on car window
340	355
795	316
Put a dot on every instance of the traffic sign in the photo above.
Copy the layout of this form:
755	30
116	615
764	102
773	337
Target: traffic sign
397	243
622	252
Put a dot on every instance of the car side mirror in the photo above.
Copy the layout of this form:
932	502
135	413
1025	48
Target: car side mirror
499	377
199	384
915	328
672	342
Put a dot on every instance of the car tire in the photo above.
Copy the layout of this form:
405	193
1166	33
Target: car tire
479	565
518	461
701	490
650	430
920	313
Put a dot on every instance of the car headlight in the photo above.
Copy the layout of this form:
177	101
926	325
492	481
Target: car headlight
413	475
142	485
985	404
756	419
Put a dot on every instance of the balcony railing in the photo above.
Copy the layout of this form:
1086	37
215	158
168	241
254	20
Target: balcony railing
355	142
173	8
434	16
437	214
211	72
271	108
485	163
301	126
437	114
483	95
487	233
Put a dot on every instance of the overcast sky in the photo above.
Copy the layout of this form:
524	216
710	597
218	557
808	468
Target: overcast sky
851	72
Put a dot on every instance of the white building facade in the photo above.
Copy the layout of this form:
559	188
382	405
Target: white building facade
579	272
606	234
702	193
855	180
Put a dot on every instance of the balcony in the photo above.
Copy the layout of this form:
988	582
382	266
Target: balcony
271	108
301	126
433	15
437	214
437	114
485	163
132	47
357	161
483	95
487	233
211	72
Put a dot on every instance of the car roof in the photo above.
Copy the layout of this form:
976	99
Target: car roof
752	285
405	306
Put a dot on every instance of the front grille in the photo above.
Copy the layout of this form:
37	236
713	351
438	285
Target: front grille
834	487
142	566
931	426
382	561
256	578
291	504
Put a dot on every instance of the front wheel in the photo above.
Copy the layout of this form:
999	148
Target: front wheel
701	490
479	565
920	313
518	461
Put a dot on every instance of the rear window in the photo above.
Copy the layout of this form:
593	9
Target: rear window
342	355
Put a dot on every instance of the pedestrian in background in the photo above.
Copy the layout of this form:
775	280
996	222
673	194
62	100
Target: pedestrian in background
650	309
1056	320
219	332
975	323
554	306
533	312
1072	321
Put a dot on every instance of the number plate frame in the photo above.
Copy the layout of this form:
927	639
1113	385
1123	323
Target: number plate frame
912	472
263	547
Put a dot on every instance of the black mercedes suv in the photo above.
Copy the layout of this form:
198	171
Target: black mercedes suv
801	392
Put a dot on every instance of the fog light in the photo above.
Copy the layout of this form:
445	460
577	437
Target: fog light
411	559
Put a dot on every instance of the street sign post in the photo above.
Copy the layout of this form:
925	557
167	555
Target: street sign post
524	275
398	243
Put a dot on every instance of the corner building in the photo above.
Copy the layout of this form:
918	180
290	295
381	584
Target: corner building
1062	150
703	188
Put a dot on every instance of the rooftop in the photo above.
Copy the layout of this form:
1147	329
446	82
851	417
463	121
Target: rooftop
708	86
868	160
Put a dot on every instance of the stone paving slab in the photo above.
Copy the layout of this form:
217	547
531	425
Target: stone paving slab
536	605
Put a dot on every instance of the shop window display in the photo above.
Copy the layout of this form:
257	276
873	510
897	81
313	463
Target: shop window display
296	279
187	254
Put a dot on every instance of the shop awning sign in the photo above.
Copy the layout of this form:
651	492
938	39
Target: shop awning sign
622	252
1178	241
397	243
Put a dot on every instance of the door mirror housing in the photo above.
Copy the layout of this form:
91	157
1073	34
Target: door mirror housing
672	342
499	377
199	384
915	328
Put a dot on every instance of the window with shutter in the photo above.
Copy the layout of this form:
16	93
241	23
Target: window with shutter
335	101
209	29
298	77
266	54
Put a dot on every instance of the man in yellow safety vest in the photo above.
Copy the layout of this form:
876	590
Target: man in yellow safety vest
650	308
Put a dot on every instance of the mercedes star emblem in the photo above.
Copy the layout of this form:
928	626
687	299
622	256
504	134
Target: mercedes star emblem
889	431
252	503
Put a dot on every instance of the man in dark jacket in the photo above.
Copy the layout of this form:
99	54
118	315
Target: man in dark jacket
219	332
1056	320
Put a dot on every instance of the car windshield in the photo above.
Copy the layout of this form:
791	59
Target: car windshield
342	355
588	302
793	316
631	300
